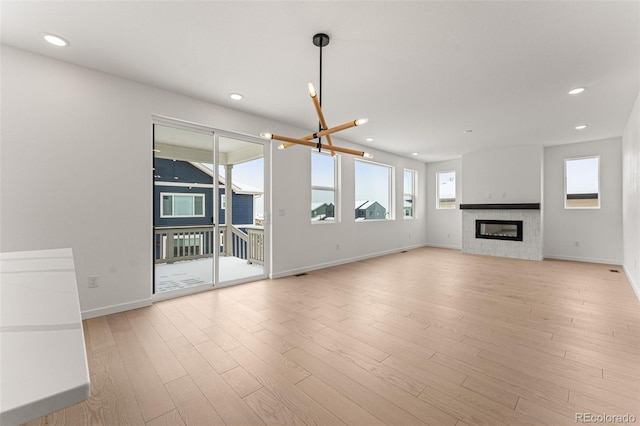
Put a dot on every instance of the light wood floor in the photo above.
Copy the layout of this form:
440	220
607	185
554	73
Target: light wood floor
430	336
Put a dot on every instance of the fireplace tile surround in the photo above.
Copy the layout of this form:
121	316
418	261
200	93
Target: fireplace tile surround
529	248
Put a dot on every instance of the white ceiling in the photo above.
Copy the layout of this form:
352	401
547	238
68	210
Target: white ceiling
423	72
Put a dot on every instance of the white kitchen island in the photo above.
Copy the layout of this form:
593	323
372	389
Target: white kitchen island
43	361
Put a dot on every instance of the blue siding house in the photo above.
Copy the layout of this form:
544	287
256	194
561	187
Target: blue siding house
370	210
183	195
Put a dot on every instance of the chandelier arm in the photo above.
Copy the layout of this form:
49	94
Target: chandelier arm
327	133
331	146
316	104
344	126
315	145
323	122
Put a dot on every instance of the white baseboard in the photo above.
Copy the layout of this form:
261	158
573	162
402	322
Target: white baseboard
634	285
445	246
340	262
583	259
114	309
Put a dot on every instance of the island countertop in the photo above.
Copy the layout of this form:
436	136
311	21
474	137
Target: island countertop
43	360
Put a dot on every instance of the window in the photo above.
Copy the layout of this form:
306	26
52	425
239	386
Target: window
409	199
324	180
223	201
446	191
181	205
582	183
374	191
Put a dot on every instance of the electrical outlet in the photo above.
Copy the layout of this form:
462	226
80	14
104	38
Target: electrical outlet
93	281
448	235
337	246
576	243
409	236
504	195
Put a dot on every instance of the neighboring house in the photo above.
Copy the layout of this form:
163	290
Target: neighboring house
322	211
408	208
370	210
183	195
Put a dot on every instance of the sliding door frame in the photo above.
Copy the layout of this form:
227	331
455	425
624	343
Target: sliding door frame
266	152
216	134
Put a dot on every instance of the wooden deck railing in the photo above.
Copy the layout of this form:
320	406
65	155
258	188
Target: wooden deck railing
256	245
174	244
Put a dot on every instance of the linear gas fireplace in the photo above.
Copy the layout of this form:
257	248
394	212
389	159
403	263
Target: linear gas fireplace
510	230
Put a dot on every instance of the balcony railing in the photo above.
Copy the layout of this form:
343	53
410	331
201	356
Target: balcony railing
174	244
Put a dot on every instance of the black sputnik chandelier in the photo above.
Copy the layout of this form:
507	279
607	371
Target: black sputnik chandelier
320	40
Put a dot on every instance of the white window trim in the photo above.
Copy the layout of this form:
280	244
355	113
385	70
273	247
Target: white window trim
181	194
223	201
335	189
414	183
392	199
564	200
455	202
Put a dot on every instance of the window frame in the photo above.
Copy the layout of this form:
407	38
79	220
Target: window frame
391	188
599	193
335	189
412	194
455	198
181	194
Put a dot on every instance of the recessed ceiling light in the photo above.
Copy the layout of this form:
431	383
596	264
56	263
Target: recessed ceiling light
577	90
236	96
581	127
55	40
468	131
414	153
369	139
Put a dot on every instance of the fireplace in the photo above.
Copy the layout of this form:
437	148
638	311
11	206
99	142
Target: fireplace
510	230
527	243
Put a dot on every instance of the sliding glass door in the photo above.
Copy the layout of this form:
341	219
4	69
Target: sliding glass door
242	165
209	209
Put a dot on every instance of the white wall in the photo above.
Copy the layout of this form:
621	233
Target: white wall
598	231
444	226
76	172
507	175
631	197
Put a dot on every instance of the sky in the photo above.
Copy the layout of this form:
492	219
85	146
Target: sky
582	175
373	183
447	185
248	175
322	174
251	174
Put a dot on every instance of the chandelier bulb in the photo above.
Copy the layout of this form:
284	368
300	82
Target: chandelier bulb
361	121
266	135
281	146
367	155
312	90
